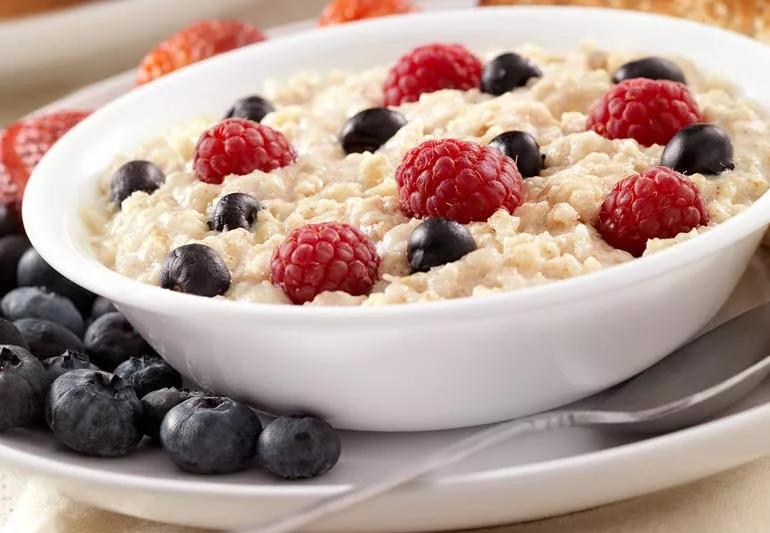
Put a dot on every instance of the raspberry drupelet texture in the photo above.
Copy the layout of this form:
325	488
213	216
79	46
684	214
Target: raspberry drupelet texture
240	146
658	204
460	180
325	257
431	68
649	111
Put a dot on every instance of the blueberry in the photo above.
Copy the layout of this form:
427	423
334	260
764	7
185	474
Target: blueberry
156	404
12	248
654	68
10	334
9	224
135	176
522	148
195	269
294	447
34	302
369	129
210	435
111	339
67	362
437	241
148	373
47	339
23	384
35	272
233	211
252	108
506	72
699	149
94	413
101	306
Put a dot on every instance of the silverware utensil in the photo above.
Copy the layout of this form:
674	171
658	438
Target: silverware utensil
706	376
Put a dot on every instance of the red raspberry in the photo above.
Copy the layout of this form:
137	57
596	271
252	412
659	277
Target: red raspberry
658	204
459	180
341	11
431	68
325	257
650	111
239	146
198	41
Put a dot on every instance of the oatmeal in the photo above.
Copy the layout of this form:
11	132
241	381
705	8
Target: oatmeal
550	236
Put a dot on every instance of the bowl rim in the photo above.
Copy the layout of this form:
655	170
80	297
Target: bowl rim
59	251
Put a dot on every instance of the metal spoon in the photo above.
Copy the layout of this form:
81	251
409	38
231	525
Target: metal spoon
697	381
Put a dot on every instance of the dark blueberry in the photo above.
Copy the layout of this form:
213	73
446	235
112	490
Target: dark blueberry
195	269
369	129
9	224
437	241
111	339
135	176
233	211
94	413
148	373
252	108
156	404
34	302
699	149
35	272
12	249
294	447
654	68
23	384
10	334
68	361
210	435
522	148
47	339
101	306
506	72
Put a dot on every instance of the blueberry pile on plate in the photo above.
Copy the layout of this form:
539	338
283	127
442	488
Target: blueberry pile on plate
71	361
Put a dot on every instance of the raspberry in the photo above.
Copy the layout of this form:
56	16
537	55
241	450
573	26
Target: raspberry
325	257
196	42
341	11
658	204
650	111
239	146
431	68
459	180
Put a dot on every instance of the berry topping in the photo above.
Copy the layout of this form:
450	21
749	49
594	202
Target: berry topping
699	149
459	180
23	384
10	334
506	72
66	362
210	435
33	271
195	269
233	211
253	108
94	413
658	204
196	42
101	306
325	257
649	111
240	146
47	339
437	241
430	68
342	11
368	130
298	447
36	302
148	373
156	404
653	68
135	176
523	149
12	249
9	223
111	339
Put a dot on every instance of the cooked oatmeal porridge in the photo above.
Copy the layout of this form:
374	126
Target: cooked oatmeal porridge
550	236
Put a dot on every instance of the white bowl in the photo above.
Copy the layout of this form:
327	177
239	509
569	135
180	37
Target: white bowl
411	367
